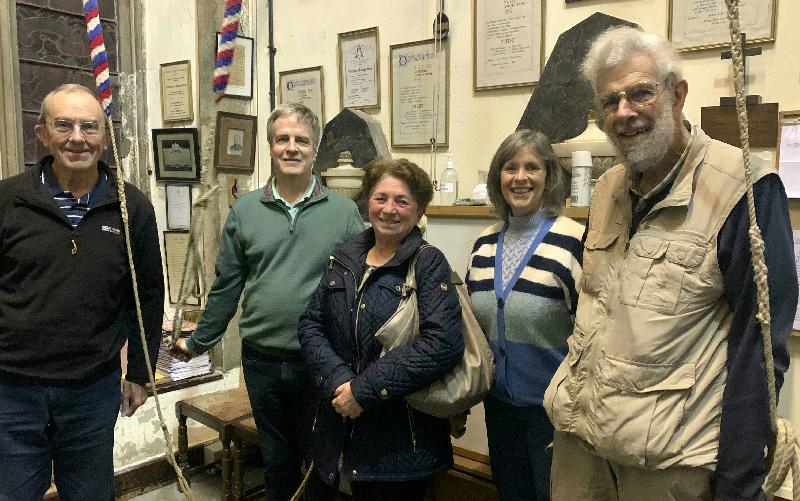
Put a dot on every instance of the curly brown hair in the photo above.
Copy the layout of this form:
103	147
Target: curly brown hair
417	180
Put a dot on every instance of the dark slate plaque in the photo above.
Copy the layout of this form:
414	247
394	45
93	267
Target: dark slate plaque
561	102
353	131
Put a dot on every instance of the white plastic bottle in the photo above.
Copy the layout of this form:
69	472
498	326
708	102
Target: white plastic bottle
581	193
448	183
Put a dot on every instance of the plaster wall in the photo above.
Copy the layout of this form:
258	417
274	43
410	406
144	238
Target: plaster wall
170	35
306	35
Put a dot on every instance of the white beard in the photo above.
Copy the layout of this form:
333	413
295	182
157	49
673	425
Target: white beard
649	149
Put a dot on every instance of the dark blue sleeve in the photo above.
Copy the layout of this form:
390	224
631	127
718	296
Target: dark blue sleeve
745	428
328	370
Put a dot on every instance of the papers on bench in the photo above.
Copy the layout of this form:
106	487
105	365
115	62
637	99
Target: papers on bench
173	368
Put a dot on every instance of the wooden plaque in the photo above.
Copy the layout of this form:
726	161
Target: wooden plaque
721	122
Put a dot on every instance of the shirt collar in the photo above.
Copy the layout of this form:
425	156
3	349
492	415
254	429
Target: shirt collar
302	199
50	182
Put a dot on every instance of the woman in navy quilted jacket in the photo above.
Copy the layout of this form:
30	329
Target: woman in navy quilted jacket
364	432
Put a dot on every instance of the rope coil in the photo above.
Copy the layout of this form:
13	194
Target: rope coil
785	455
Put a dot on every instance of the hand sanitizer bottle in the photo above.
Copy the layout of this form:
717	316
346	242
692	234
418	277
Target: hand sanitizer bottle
448	183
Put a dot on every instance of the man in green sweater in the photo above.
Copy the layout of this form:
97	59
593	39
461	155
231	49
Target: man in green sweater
274	247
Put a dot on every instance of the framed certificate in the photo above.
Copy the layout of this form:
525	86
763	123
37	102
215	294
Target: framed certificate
179	206
175	244
304	86
789	153
176	92
419	94
703	24
359	69
507	44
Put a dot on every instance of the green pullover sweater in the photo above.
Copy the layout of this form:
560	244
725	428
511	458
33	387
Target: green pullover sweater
276	262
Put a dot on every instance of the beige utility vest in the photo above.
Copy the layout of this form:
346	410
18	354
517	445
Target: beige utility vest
642	383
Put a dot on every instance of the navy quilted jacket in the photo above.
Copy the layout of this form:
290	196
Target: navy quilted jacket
389	441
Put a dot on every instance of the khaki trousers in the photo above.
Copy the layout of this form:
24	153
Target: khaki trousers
580	475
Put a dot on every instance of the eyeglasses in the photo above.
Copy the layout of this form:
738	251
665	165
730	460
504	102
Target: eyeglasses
639	94
66	126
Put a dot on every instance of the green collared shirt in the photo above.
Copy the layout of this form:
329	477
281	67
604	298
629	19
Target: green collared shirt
294	209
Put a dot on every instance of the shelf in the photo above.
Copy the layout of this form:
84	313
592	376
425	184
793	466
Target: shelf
487	211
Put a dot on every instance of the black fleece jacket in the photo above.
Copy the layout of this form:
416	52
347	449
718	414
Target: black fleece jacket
66	300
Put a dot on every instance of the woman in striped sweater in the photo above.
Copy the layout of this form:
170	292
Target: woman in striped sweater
522	281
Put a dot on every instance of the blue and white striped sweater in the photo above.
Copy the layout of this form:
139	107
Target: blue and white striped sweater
538	313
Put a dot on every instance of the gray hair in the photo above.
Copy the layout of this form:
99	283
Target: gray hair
304	116
538	144
69	88
616	45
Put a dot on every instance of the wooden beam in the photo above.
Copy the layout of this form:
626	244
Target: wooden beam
11	152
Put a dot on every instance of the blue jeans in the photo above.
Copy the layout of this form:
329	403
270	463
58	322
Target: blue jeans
72	427
279	391
518	450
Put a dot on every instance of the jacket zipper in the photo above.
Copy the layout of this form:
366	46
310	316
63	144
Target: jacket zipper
316	413
355	329
293	220
411	427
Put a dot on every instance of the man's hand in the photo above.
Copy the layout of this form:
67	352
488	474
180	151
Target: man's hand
133	396
345	403
180	351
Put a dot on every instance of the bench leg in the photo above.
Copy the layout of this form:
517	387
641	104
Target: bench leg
227	494
183	447
238	479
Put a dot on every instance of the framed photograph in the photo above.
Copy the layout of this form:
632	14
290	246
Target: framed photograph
304	86
507	48
703	24
179	206
240	78
235	143
359	69
176	92
175	244
419	96
176	153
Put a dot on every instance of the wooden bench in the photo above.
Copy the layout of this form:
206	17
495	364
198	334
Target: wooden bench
220	411
243	432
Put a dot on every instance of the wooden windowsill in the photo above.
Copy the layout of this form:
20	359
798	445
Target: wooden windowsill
795	333
487	211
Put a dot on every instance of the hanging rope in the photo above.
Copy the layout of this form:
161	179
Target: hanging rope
225	48
437	45
193	263
97	52
785	454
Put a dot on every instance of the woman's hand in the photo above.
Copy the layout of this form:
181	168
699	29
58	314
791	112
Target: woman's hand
458	425
345	403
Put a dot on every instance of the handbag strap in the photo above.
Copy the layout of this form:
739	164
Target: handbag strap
411	275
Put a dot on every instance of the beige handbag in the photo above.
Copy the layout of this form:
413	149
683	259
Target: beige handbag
470	380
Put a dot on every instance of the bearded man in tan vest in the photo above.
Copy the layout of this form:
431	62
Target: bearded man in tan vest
663	395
